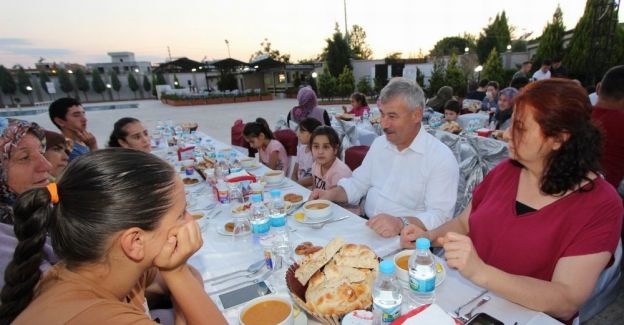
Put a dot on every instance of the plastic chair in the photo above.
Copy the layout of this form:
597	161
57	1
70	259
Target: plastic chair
237	138
355	155
289	140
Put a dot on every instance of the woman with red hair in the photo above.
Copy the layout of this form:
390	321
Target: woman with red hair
542	225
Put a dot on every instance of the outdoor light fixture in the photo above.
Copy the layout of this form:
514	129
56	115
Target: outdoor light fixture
69	71
314	75
108	86
136	70
175	83
256	67
508	47
53	71
29	88
466	49
281	77
478	68
194	69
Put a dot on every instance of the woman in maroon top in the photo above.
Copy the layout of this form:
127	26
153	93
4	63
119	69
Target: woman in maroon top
543	225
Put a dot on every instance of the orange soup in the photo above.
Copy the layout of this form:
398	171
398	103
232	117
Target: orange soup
273	173
316	206
267	312
402	262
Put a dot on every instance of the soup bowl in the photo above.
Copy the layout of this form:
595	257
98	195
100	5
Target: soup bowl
317	209
274	176
401	261
270	309
248	162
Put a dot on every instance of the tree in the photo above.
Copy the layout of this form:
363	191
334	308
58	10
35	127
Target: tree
43	80
346	82
154	84
394	56
65	81
82	83
327	84
551	41
455	77
176	82
357	44
133	84
227	81
267	51
97	83
364	86
337	53
519	45
420	78
496	35
583	60
160	79
115	83
23	83
147	86
493	68
450	45
436	81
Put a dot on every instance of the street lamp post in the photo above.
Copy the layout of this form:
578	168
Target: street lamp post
194	79
29	89
478	71
110	92
227	43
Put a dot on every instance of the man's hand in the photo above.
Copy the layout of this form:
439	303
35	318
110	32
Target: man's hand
88	138
409	234
385	225
320	195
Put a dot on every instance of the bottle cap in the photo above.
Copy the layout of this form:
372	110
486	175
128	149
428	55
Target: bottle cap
276	193
387	267
256	198
423	243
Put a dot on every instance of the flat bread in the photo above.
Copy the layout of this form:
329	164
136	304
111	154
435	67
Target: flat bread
339	299
358	256
316	261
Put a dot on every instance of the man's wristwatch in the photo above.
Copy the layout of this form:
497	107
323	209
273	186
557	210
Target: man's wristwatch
404	221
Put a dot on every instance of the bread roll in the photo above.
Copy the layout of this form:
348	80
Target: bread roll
316	261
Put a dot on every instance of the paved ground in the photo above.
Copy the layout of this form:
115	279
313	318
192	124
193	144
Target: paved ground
217	120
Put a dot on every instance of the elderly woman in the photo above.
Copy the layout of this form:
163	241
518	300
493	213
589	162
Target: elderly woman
502	116
543	225
308	107
22	167
57	153
130	133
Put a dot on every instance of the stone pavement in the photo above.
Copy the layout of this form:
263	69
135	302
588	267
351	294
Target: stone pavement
217	120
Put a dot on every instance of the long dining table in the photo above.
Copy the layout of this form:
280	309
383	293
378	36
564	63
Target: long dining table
217	255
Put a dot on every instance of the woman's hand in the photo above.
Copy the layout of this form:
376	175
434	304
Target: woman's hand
460	254
409	234
183	242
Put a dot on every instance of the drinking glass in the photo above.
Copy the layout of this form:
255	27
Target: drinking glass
241	234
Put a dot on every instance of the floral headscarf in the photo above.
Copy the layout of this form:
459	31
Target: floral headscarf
307	102
11	132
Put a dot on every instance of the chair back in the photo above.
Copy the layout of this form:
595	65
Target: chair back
288	138
355	155
237	138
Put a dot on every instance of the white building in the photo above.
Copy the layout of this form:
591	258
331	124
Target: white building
122	63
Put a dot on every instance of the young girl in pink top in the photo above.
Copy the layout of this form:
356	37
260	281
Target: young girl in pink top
359	105
303	166
327	169
272	152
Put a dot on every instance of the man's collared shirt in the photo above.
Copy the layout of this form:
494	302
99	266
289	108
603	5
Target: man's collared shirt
420	181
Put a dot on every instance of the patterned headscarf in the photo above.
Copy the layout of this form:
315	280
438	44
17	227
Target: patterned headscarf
307	102
502	116
11	132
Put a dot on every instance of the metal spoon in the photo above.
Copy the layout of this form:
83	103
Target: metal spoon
251	269
322	224
468	316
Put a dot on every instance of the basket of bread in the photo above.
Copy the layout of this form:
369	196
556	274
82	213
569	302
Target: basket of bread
334	280
452	127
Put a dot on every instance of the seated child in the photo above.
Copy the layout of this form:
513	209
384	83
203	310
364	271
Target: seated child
303	166
272	152
327	169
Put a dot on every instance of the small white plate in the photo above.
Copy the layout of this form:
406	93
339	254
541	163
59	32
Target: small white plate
255	166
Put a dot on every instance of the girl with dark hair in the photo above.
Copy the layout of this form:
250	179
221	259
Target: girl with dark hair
130	133
327	169
303	166
359	105
543	225
114	236
272	152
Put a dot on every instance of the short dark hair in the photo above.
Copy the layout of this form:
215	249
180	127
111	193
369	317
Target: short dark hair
260	126
612	84
59	108
330	133
519	82
484	82
360	98
101	193
546	62
452	105
309	124
526	62
494	84
118	131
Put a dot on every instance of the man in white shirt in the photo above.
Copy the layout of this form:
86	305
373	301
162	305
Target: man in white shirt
543	72
408	176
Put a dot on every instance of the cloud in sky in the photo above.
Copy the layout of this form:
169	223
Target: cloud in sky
23	48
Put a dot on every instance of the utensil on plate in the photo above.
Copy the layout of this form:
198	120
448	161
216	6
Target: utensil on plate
228	279
456	311
240	284
322	224
468	315
252	268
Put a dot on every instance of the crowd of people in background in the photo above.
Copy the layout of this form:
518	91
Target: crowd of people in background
64	210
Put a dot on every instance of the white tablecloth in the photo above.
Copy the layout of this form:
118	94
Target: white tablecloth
217	256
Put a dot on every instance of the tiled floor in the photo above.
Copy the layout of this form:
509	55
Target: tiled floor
217	120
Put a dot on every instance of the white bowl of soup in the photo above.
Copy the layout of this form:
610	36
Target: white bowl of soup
401	261
274	176
317	209
274	310
248	162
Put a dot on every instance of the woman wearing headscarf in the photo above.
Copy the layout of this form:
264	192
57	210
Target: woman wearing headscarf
308	107
22	167
504	111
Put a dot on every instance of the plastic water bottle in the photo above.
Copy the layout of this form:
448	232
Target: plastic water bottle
210	149
277	209
235	194
235	165
260	222
365	116
222	168
422	274
387	298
